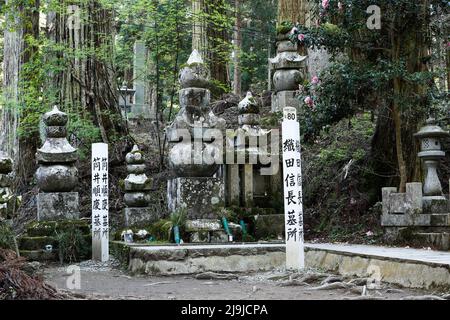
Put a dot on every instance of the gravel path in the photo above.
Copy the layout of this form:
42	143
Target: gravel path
107	281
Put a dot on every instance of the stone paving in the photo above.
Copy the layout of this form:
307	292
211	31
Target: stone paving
410	254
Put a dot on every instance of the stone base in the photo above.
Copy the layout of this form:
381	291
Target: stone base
57	206
270	226
284	99
140	216
435	205
219	236
206	231
200	195
424	220
438	238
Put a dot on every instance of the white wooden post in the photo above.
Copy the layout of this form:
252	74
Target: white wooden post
100	205
292	182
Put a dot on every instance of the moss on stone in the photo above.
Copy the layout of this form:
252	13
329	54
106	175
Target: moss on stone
36	243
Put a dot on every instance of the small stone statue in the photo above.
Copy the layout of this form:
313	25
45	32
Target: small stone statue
137	187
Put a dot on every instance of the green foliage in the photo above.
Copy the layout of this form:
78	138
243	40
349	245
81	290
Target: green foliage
179	216
375	59
6	237
272	120
161	230
284	27
72	245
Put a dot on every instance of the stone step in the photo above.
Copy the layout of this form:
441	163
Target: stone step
50	228
415	268
36	243
39	255
440	240
419	220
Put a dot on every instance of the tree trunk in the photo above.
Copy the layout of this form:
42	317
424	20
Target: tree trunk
199	32
237	50
295	11
88	85
408	107
218	45
23	24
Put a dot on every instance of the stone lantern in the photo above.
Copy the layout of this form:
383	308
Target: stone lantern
431	152
126	99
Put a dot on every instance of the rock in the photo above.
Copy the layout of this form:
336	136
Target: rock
6	164
215	276
203	225
424	297
248	105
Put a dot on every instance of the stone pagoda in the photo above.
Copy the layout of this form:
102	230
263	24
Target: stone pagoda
8	201
57	176
288	69
421	215
137	187
196	150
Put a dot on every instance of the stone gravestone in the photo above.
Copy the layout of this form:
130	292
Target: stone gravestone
289	69
100	205
196	139
57	175
137	187
292	179
194	185
7	199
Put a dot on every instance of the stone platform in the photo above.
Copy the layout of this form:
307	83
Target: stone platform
140	216
57	206
415	268
199	194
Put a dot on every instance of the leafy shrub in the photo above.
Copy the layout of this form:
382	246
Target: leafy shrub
6	237
72	245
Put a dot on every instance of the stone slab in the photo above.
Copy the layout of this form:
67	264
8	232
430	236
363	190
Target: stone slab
201	195
203	225
422	220
439	240
58	206
413	268
284	99
416	268
140	216
435	205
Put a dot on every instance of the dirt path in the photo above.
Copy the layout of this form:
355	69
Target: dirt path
100	282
